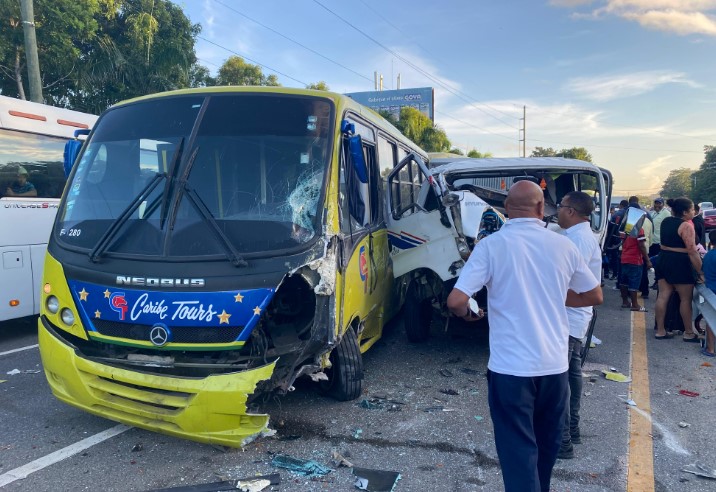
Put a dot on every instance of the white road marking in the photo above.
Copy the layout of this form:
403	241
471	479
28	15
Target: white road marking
19	349
669	440
59	455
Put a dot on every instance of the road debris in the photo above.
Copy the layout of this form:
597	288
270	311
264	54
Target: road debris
626	400
613	375
447	373
248	484
692	394
479	418
700	469
137	447
470	371
339	460
307	468
357	433
375	480
13	372
684	425
449	391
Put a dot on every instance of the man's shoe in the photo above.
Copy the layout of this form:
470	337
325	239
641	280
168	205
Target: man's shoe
566	452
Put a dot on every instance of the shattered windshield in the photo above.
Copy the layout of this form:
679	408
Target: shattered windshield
243	169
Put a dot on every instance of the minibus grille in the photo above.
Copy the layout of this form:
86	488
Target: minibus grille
180	334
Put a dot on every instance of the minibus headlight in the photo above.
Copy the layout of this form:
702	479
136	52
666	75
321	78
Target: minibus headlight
52	304
68	317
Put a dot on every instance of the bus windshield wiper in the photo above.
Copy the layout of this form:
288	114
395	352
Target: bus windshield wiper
111	232
231	253
168	185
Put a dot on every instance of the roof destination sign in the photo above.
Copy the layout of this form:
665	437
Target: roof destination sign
421	98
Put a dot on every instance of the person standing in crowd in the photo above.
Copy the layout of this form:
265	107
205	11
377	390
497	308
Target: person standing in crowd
529	271
613	243
699	226
709	267
573	215
675	265
658	214
634	258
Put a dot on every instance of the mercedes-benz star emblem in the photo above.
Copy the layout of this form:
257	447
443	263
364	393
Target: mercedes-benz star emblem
159	335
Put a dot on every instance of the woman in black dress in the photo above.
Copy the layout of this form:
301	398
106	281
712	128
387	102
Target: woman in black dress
676	265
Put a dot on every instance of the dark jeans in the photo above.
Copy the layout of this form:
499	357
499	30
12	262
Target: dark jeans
571	420
614	261
527	414
644	284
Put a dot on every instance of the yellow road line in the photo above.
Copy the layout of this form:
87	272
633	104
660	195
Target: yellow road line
640	473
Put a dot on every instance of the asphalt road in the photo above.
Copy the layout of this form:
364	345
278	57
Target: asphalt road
437	441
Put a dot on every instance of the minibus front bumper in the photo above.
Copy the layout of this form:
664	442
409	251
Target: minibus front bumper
210	409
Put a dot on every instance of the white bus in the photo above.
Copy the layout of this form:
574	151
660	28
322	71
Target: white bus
32	177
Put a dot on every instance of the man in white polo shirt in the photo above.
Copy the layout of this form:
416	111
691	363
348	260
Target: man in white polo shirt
529	271
573	215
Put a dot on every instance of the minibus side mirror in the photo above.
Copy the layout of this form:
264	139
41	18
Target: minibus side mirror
355	148
72	149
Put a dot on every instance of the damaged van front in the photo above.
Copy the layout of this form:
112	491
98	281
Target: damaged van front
201	260
461	201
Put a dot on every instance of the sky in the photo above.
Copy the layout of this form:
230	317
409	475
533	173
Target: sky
632	81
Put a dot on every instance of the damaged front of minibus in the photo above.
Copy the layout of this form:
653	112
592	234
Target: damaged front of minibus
194	264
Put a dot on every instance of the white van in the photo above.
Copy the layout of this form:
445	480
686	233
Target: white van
437	214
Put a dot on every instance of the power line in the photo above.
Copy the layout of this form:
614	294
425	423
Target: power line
413	65
294	41
252	61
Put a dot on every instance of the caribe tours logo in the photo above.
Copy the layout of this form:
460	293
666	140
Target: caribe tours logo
118	304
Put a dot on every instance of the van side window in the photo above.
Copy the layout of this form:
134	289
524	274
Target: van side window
406	190
38	158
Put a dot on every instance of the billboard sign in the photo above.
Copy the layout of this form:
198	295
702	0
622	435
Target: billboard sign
421	98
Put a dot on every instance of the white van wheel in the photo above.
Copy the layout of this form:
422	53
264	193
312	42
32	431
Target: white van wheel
345	377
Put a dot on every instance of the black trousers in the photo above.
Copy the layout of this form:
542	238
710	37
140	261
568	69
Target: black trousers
528	415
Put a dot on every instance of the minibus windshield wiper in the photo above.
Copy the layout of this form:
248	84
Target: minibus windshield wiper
111	232
231	253
168	185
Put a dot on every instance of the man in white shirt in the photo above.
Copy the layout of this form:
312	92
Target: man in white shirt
573	215
529	271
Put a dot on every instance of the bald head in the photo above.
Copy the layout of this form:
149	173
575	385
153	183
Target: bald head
525	200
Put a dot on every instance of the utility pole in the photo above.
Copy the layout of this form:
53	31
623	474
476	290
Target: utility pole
33	62
523	131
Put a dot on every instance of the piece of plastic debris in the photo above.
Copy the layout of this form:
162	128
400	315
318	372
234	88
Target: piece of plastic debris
339	460
375	480
446	373
318	376
137	447
307	468
370	404
228	485
688	393
13	372
3	381
613	369
628	401
706	364
700	469
479	418
449	391
684	425
587	393
357	433
616	376
253	485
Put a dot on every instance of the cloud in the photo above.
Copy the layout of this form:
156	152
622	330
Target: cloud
608	88
683	17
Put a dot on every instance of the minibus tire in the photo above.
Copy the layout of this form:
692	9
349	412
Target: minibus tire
345	377
417	316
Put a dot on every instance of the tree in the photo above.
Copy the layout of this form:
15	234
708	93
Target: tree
235	71
543	152
94	53
704	180
421	130
476	154
677	183
319	86
457	151
573	153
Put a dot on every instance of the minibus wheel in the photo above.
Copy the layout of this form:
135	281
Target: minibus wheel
345	376
417	315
